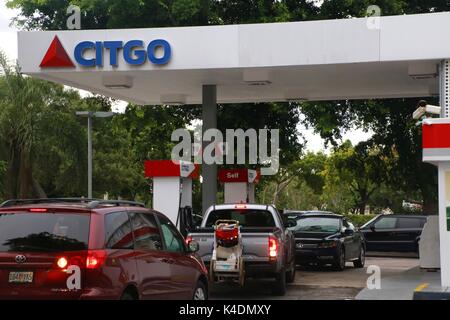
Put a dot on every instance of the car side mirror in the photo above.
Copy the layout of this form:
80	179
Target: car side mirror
193	246
349	232
289	223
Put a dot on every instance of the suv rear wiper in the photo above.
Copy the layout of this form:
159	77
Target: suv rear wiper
32	248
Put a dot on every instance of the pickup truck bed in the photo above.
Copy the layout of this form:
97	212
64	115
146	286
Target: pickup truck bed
255	240
255	247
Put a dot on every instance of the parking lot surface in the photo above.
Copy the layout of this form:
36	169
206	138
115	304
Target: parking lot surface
319	283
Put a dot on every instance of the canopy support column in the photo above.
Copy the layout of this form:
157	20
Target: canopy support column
444	180
444	91
209	171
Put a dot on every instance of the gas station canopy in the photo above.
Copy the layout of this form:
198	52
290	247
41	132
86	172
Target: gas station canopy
395	57
318	60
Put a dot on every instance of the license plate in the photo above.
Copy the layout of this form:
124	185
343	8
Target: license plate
21	277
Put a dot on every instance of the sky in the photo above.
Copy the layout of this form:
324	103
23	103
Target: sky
8	43
8	37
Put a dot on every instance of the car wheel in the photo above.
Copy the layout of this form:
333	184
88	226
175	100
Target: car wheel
339	265
290	275
200	292
279	287
359	263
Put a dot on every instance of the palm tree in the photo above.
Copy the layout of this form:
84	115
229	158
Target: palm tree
21	101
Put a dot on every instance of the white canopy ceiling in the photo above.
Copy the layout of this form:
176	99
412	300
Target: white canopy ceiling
318	60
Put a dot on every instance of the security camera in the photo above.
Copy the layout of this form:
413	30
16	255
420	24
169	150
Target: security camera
424	108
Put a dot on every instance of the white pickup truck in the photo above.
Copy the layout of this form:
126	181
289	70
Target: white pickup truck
262	227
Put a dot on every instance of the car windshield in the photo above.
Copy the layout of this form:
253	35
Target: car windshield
317	224
43	232
245	217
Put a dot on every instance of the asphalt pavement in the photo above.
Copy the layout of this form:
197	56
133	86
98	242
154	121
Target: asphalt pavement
321	283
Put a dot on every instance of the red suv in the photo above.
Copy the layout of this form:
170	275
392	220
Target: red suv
94	249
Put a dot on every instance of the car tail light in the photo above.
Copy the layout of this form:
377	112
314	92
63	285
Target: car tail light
38	210
273	247
240	206
95	259
70	258
188	239
62	262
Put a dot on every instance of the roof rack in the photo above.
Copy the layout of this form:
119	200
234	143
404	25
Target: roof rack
95	203
90	203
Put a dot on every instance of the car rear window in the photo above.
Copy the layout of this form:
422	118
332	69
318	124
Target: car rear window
43	232
246	218
317	224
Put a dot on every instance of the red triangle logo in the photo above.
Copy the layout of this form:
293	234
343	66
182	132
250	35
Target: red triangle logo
56	56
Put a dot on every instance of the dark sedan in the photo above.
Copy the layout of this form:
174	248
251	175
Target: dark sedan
394	232
326	238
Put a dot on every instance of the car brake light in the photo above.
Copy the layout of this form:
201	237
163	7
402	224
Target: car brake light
273	247
62	262
95	259
188	239
240	206
38	210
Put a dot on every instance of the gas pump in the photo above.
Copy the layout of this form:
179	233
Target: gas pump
172	189
239	184
436	150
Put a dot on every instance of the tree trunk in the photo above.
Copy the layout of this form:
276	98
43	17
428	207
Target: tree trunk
12	173
38	190
25	178
363	199
276	194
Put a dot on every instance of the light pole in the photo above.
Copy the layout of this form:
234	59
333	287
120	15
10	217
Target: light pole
89	115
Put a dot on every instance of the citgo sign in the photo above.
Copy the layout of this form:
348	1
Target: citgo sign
92	53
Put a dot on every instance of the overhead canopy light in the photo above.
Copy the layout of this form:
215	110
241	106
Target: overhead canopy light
256	77
294	96
296	99
118	82
423	70
173	99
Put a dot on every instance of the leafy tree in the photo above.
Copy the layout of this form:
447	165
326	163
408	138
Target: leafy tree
361	170
105	14
395	134
60	151
39	139
21	100
282	116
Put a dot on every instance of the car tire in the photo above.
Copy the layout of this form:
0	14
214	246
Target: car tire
279	288
290	275
127	296
339	264
200	292
359	263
